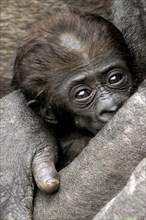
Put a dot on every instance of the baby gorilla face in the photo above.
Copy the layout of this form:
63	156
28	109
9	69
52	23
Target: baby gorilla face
93	96
97	88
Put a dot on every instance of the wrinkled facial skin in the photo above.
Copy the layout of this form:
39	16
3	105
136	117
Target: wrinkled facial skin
77	70
94	96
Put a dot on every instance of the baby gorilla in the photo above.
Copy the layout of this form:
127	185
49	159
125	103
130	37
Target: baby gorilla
76	72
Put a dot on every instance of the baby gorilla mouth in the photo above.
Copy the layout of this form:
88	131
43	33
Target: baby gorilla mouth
106	116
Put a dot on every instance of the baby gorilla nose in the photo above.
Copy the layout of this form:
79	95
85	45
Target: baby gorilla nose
105	111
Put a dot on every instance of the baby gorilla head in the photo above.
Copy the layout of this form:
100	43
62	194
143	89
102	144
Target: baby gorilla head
75	70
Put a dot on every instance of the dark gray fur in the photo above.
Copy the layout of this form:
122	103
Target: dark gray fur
129	17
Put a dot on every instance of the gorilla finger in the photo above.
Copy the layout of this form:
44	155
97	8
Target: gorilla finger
45	173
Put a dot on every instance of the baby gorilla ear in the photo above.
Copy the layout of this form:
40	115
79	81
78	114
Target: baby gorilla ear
48	115
34	105
45	112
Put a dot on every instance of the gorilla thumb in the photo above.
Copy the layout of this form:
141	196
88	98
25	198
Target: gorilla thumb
44	171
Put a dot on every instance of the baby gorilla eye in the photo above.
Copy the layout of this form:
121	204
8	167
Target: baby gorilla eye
82	94
116	79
